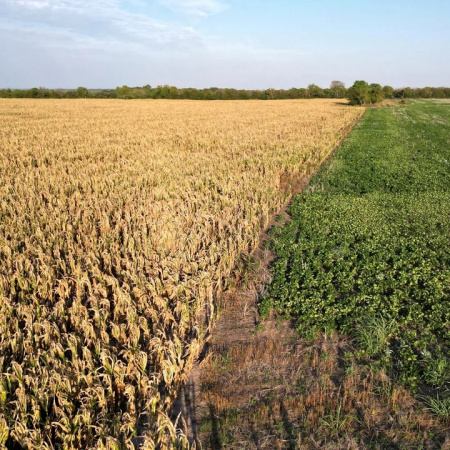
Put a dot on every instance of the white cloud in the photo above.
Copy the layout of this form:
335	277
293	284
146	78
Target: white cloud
201	8
67	43
103	23
33	4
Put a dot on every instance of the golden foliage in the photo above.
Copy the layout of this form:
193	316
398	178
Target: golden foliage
119	223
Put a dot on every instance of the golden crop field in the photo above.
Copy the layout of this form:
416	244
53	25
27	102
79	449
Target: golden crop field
120	222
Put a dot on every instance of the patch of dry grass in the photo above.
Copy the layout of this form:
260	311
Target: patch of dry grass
296	394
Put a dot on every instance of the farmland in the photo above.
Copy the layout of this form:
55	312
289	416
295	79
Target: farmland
369	239
352	351
120	224
367	253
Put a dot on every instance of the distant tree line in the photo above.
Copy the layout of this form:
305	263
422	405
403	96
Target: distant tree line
360	93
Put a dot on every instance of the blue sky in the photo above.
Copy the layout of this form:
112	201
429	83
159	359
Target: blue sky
226	43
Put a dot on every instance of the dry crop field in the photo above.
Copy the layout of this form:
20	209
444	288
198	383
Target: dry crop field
120	223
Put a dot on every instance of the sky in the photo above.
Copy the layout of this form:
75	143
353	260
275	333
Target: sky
244	44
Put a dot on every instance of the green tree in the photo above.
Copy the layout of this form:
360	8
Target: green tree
82	92
425	92
439	93
376	93
124	92
147	91
315	91
406	92
165	91
337	89
359	94
270	94
388	92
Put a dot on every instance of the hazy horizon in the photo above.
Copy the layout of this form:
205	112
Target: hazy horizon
53	88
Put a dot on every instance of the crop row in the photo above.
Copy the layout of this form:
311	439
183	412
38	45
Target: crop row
120	222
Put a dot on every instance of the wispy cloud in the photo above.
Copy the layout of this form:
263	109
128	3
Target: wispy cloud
32	4
63	43
201	8
103	23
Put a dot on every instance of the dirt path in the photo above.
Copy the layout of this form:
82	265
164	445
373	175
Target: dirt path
241	349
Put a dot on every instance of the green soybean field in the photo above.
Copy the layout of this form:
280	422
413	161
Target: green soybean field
367	249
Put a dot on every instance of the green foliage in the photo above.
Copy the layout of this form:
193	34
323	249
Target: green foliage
82	92
337	420
388	91
315	91
440	406
124	92
337	90
367	250
358	94
436	370
362	93
373	334
376	93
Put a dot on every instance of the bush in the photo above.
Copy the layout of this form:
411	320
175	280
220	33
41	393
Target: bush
361	93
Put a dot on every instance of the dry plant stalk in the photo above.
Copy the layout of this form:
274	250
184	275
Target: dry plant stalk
120	222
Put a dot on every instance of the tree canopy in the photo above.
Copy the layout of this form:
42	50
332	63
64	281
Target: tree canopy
360	93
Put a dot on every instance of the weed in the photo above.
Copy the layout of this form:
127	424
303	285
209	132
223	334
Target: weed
337	421
259	327
437	369
439	406
373	334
